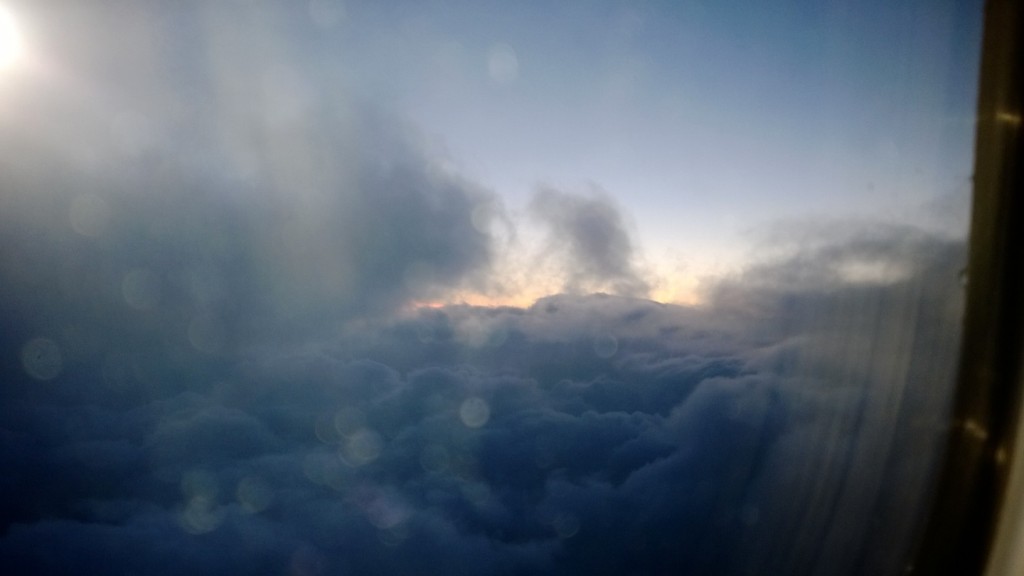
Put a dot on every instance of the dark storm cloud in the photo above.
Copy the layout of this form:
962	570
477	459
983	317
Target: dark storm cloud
479	469
589	236
773	431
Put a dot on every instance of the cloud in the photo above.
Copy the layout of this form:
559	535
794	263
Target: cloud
265	198
774	429
588	233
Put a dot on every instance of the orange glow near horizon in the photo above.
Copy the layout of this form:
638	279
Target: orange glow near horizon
478	300
683	293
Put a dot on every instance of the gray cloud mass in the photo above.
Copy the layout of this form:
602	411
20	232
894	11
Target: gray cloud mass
589	236
764	433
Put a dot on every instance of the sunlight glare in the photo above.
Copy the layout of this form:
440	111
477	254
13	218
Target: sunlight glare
10	39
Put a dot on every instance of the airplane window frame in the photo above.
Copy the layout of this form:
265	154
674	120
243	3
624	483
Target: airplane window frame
977	516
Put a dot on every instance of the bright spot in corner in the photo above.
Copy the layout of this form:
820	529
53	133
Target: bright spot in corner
10	39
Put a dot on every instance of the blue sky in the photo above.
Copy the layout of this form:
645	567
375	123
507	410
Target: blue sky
702	121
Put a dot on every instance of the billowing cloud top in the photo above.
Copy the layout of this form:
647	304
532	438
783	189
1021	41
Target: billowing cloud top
772	431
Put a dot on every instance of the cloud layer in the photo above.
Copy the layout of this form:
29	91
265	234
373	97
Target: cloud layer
775	431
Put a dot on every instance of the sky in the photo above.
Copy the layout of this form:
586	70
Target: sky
491	288
702	121
703	124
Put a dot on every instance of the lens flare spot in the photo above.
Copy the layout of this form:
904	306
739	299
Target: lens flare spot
141	289
200	515
566	525
325	469
307	561
477	493
254	494
474	412
362	447
502	64
386	511
201	512
348	421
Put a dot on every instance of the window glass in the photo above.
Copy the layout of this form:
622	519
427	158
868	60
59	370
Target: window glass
467	287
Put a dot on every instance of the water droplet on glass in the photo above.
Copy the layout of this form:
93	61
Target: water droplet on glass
89	215
117	369
326	13
502	64
41	358
324	469
566	525
476	492
254	494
